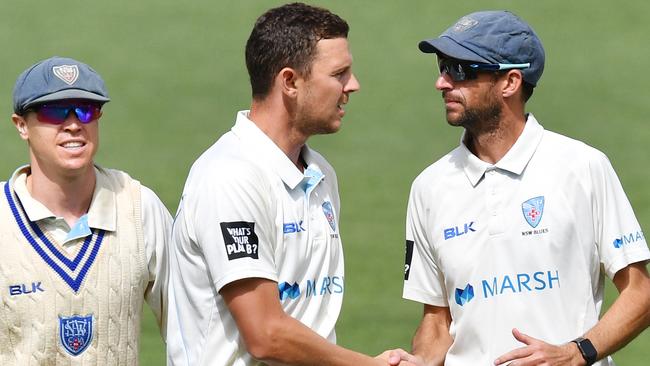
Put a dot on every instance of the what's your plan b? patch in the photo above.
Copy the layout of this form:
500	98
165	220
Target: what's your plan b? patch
240	239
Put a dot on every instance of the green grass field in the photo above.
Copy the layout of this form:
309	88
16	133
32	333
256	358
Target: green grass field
176	74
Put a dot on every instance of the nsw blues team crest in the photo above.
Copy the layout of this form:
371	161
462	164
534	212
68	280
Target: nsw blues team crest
533	210
67	73
76	333
329	214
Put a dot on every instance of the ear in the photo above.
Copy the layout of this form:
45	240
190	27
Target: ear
21	126
287	79
513	83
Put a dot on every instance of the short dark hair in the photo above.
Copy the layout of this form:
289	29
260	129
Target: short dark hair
286	36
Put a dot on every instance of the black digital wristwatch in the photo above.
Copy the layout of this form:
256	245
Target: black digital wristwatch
587	350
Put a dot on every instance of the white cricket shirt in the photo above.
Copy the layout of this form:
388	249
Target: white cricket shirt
524	243
247	211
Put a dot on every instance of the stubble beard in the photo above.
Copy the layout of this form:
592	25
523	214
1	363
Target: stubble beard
311	123
480	119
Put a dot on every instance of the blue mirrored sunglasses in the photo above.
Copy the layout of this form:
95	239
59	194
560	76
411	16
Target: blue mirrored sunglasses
56	113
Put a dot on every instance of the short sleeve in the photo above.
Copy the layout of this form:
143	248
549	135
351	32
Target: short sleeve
423	280
619	237
229	216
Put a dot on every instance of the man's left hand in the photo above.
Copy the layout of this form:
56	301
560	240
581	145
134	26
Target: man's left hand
537	352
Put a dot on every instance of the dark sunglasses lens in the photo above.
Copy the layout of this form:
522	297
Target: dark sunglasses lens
52	113
87	113
57	114
456	70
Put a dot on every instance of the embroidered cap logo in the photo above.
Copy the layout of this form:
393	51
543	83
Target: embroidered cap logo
464	24
67	73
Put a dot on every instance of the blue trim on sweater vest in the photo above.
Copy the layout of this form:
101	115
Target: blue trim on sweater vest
74	283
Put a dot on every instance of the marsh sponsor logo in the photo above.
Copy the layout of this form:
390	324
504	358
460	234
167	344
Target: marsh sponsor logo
629	239
521	283
240	239
326	285
287	290
516	284
463	296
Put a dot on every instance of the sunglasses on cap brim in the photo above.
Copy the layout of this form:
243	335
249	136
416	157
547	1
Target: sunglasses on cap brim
57	112
462	70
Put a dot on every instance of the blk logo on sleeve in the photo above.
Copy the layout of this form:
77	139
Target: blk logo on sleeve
240	239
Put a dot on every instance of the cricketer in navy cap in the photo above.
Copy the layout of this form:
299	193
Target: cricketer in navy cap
57	78
492	37
530	198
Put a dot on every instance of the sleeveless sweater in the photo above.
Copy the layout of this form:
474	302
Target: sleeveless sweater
72	308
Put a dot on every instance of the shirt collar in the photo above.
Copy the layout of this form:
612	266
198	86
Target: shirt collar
34	210
514	161
102	213
266	149
103	208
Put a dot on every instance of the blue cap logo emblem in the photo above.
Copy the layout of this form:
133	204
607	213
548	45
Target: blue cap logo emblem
329	214
533	210
75	333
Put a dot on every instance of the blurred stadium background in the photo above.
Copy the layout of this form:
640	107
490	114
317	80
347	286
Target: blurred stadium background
176	74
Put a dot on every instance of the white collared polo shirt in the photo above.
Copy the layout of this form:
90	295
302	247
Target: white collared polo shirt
518	244
247	211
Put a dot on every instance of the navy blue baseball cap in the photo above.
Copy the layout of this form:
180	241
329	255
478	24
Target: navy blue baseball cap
493	37
57	78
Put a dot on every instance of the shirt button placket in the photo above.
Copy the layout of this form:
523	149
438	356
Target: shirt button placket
493	201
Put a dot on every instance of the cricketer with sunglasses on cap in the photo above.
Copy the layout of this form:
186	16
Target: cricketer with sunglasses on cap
82	246
510	235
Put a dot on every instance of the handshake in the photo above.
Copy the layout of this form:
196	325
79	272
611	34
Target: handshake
399	357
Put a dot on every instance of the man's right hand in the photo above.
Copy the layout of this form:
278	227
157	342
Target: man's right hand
399	357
